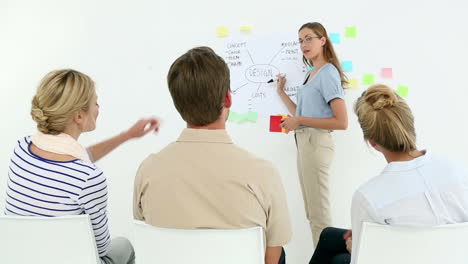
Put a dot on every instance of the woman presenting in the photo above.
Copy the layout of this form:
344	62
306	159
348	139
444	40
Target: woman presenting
320	109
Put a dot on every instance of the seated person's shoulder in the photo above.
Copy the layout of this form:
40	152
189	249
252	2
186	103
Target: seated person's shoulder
251	160
23	142
448	167
162	156
256	169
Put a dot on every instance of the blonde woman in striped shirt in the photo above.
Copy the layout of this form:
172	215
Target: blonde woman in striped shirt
51	174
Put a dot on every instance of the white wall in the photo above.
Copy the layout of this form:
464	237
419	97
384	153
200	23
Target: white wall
127	47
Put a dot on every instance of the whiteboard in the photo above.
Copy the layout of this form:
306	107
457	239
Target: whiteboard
254	61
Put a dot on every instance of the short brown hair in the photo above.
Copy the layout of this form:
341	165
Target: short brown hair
198	82
386	119
60	95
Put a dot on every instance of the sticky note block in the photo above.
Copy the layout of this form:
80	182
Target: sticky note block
335	38
251	116
347	65
275	122
368	79
246	29
351	32
387	73
284	130
402	91
353	83
222	32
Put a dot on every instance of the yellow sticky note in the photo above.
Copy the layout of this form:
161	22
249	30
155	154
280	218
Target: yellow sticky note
222	32
246	29
353	83
284	130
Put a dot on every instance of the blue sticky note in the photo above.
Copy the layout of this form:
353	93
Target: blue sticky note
347	66
311	68
335	38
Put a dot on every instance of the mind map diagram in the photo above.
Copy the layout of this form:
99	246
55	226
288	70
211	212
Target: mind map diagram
254	62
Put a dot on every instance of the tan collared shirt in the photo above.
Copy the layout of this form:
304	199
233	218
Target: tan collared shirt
203	180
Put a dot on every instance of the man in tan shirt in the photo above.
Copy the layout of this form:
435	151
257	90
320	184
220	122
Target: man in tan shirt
203	180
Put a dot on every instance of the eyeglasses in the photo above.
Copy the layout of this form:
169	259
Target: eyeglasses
307	40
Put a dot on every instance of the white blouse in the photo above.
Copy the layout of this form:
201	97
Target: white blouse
425	191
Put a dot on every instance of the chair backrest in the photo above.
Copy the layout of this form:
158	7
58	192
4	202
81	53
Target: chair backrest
385	244
154	245
48	240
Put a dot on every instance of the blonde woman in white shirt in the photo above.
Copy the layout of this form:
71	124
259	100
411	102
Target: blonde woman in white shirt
416	188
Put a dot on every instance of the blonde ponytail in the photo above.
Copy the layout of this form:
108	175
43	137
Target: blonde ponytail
60	95
386	119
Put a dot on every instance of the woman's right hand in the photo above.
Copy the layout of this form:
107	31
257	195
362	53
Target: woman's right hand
143	127
281	83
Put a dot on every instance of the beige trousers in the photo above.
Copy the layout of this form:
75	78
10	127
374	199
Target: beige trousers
315	151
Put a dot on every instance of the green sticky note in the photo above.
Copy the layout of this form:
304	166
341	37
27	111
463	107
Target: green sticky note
251	116
402	91
351	32
233	116
368	79
241	118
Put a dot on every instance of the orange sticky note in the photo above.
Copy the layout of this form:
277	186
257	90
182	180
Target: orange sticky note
284	130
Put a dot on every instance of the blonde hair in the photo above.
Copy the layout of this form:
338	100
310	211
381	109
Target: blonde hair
60	95
386	119
328	50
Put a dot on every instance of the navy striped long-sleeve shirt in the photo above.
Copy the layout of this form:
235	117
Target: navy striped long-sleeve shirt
41	187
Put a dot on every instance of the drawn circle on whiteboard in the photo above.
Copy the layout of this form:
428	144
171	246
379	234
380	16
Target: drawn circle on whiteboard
261	73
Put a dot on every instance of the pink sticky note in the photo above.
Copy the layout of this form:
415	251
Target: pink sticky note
387	73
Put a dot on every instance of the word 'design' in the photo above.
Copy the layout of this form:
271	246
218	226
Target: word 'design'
261	73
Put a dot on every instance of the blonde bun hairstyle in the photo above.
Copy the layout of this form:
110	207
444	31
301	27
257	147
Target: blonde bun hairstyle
386	119
60	95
